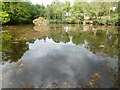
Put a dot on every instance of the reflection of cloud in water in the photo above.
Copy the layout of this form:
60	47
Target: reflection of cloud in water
48	61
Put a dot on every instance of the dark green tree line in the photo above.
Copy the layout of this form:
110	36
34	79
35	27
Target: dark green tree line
104	13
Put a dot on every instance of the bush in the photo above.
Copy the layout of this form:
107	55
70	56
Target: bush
106	21
95	22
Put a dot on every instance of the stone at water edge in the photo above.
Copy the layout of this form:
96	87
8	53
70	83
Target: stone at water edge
40	21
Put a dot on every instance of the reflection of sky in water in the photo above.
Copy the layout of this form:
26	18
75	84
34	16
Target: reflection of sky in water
47	61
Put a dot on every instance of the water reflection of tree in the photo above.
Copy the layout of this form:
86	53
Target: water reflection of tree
99	43
61	37
15	51
12	51
104	42
78	38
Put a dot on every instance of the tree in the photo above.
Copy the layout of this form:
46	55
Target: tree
4	16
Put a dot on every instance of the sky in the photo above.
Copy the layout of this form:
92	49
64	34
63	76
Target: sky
47	2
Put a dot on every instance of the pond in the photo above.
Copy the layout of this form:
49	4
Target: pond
58	55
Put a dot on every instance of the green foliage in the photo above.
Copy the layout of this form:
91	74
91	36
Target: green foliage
38	11
18	11
22	12
98	12
58	12
4	17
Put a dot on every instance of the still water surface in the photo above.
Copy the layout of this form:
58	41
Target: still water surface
59	56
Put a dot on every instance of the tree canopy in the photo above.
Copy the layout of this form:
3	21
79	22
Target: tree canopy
59	12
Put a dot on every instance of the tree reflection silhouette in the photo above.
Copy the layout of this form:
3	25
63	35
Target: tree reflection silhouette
13	49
